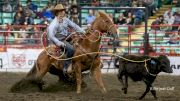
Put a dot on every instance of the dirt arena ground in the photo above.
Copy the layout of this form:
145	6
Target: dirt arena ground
91	93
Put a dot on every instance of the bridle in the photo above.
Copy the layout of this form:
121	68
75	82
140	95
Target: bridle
99	33
109	27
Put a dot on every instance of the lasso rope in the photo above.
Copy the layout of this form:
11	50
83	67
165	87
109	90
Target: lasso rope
60	57
112	54
45	48
99	36
145	65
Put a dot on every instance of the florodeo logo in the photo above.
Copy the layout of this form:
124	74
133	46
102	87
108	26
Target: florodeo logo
18	59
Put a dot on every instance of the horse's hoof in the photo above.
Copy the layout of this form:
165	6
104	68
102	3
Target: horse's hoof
155	98
78	92
83	85
125	91
104	91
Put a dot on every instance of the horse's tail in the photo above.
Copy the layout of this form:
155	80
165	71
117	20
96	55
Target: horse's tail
33	71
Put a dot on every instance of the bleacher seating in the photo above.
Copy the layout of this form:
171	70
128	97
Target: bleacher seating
7	17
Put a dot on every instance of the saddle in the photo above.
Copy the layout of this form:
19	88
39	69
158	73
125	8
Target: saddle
54	51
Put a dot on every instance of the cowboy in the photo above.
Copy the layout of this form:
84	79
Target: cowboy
58	31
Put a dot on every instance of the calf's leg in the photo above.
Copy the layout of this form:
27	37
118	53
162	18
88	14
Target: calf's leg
147	89
126	84
120	78
153	92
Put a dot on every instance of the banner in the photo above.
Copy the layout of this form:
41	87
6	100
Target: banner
175	65
24	59
19	58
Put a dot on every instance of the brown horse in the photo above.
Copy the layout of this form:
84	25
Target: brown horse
88	43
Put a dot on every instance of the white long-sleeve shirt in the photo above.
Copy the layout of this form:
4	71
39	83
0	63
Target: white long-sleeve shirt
170	20
58	31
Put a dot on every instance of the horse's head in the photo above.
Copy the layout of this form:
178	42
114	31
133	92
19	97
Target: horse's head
104	23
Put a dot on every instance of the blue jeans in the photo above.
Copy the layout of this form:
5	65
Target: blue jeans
69	51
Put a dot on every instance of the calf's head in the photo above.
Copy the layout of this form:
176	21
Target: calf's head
164	64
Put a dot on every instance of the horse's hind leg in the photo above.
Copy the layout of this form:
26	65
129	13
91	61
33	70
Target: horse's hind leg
98	77
41	70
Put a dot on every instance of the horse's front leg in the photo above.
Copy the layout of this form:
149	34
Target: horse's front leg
78	76
98	77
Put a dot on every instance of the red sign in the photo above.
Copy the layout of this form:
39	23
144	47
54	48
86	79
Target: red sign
19	59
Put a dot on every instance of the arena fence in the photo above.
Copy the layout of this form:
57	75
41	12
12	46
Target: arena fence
110	9
19	54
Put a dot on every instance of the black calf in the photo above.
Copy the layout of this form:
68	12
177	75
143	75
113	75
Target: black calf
138	71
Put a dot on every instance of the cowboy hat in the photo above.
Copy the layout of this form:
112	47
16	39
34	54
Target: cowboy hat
58	7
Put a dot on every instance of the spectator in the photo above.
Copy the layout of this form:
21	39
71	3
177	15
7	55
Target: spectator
172	52
29	20
7	7
150	4
134	3
21	10
48	14
149	47
130	19
170	20
74	14
95	3
177	19
162	23
31	6
168	11
121	19
90	18
162	51
48	6
33	14
66	6
139	15
174	38
39	14
161	19
15	8
154	25
18	19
